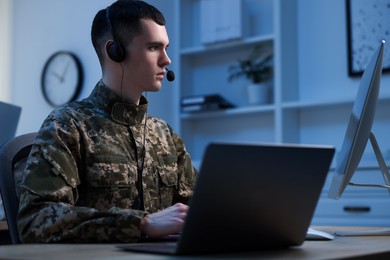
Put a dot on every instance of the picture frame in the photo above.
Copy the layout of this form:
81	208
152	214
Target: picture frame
368	22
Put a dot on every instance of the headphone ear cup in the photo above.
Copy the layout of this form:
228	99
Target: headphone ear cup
115	52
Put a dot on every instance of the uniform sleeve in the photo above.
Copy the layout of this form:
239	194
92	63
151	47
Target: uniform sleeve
49	193
187	173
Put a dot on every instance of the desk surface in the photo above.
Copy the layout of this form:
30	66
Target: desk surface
378	247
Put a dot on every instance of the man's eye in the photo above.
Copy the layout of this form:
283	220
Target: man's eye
153	48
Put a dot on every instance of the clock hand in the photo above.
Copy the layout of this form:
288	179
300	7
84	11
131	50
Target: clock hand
61	79
65	70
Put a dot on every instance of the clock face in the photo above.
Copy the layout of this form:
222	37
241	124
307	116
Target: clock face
61	78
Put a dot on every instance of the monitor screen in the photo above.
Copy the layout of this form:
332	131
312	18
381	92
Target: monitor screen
9	118
359	125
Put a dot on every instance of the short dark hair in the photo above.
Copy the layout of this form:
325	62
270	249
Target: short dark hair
125	16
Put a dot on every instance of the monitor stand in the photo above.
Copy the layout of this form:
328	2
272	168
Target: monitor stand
386	177
382	166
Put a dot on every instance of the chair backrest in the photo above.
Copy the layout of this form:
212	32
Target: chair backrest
13	153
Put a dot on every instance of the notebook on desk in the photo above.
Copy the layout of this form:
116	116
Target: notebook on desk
250	197
9	118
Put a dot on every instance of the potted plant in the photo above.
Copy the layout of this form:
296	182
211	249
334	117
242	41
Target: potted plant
258	68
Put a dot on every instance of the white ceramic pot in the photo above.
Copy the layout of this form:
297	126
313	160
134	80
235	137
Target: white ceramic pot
258	93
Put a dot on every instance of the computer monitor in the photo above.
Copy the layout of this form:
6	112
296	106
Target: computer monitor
359	130
9	118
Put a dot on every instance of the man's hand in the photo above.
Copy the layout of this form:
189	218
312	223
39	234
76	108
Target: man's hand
164	222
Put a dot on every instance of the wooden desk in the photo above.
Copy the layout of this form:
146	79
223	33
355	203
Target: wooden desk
377	247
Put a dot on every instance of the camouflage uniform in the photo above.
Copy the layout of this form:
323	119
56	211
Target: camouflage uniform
80	181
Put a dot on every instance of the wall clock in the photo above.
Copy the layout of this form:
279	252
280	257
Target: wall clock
62	78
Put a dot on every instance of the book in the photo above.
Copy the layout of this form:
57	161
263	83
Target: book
204	103
200	99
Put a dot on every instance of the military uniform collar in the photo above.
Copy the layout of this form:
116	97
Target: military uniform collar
121	111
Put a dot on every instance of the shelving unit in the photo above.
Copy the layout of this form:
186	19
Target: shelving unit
290	117
198	61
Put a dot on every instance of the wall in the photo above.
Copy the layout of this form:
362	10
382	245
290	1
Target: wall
42	27
5	43
323	75
323	52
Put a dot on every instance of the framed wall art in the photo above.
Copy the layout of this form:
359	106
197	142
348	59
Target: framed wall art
368	22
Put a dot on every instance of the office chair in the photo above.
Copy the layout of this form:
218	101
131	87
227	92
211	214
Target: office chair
13	157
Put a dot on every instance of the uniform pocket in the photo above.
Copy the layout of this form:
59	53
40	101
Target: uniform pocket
167	173
62	165
167	170
109	172
111	182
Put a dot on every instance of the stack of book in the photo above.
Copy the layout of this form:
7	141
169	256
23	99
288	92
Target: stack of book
203	103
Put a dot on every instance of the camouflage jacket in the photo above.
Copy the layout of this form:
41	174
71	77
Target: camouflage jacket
80	182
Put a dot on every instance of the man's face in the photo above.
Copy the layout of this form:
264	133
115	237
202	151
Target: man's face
146	59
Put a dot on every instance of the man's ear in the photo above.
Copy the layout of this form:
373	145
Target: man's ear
114	51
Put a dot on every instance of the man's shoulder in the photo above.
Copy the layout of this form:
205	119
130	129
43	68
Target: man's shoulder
157	121
73	110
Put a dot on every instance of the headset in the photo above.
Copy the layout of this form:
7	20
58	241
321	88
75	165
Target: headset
115	50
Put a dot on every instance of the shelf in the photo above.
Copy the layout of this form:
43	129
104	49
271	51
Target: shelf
315	104
225	46
324	103
270	108
229	112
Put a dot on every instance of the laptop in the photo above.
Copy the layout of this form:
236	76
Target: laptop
250	197
9	118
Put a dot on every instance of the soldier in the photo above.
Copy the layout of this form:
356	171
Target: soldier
102	169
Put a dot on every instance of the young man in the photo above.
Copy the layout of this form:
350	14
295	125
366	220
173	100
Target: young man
102	169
